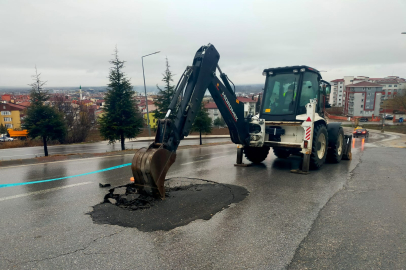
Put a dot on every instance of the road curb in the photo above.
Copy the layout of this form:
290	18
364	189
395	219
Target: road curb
193	137
58	158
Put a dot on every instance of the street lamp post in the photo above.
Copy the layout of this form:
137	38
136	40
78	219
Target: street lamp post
145	90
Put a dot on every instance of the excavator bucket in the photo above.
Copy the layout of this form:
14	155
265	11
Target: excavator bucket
149	167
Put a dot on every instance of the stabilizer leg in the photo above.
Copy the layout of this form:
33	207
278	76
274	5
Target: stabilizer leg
305	165
240	153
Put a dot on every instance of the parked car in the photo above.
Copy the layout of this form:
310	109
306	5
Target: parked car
389	117
6	139
359	132
363	119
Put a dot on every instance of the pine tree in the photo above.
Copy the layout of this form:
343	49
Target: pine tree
202	123
38	95
165	96
42	120
3	129
121	118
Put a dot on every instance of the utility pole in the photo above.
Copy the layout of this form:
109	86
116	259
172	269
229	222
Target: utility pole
145	90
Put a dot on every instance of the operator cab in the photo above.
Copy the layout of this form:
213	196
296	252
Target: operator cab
288	90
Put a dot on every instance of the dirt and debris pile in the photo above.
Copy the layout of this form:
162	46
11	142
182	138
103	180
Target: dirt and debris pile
126	197
186	200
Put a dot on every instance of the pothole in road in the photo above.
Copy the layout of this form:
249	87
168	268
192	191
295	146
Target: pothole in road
186	200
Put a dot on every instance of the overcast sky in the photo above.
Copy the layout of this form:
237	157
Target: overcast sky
72	41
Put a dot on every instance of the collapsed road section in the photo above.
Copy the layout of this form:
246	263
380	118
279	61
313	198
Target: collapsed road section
186	200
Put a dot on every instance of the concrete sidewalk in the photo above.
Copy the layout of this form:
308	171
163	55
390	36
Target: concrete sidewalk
397	140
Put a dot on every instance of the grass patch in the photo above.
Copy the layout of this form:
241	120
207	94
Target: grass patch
397	128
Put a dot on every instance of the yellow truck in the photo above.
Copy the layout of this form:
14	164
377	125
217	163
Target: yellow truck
17	133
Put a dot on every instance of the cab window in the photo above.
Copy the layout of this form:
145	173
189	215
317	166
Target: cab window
281	94
310	90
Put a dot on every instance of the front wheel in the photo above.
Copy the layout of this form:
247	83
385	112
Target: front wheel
319	147
256	154
335	153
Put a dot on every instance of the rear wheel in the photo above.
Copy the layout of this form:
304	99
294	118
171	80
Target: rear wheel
319	147
256	154
281	153
335	153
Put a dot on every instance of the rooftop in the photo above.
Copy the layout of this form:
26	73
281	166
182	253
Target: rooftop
387	81
244	99
363	84
210	105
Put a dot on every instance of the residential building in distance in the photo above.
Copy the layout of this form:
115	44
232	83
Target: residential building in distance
337	90
249	107
212	110
6	98
11	114
392	85
363	99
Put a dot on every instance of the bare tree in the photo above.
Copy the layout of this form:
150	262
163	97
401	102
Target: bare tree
399	101
38	93
79	118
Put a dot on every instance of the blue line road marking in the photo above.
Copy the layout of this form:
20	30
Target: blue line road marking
66	177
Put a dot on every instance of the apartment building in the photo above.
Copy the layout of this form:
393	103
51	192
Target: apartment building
337	92
363	99
392	85
249	108
10	115
212	110
249	105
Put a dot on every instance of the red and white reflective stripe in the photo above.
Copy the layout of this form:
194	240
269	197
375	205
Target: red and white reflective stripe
308	131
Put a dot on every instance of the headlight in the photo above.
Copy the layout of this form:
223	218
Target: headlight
254	128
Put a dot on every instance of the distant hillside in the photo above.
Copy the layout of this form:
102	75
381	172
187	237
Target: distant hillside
249	88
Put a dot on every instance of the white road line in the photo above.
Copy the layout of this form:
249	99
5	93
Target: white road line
43	191
203	160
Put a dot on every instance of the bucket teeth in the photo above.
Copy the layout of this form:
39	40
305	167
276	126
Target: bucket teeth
149	167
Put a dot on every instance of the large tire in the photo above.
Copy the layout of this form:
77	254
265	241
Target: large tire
319	147
256	154
281	153
335	153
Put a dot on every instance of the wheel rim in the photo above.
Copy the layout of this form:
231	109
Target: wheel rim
322	146
340	144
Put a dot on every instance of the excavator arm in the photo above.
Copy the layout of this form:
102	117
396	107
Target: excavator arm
151	164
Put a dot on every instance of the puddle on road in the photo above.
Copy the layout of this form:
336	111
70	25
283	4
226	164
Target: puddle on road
186	200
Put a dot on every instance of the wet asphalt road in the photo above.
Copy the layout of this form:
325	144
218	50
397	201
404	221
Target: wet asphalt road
99	147
287	221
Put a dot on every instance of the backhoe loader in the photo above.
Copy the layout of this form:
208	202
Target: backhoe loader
291	120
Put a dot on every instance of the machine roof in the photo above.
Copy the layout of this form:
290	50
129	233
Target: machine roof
291	68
